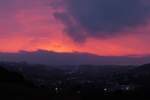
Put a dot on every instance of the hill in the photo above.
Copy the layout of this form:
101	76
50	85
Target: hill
74	58
14	86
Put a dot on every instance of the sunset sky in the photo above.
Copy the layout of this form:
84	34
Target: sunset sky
102	27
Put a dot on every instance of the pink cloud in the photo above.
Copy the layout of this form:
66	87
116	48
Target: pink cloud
31	25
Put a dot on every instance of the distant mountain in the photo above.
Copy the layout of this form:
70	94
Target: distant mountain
75	58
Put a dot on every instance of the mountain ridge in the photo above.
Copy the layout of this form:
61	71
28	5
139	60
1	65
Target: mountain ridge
71	58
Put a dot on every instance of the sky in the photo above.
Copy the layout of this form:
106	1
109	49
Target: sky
101	27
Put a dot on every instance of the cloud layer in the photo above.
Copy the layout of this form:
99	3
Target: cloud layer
103	18
76	25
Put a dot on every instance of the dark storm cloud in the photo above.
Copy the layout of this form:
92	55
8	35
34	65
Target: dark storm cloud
7	6
72	29
107	17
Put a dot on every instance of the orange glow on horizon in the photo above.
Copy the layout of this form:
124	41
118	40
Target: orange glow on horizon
119	46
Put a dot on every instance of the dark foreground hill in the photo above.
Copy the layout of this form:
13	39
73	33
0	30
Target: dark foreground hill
22	81
13	86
